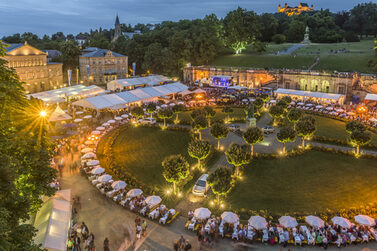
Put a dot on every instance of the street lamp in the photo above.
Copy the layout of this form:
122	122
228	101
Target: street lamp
43	113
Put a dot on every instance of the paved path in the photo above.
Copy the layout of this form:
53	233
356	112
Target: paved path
292	49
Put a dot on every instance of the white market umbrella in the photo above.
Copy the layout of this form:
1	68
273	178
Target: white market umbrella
92	162
79	112
319	106
229	217
77	120
341	222
105	124
339	110
252	99
309	105
95	132
124	116
272	101
365	220
87	117
373	119
98	170
86	150
118	118
88	142
288	221
134	193
153	200
300	103
293	103
329	108
202	213
351	113
314	221
172	104
180	103
104	178
111	121
88	155
119	184
100	128
164	106
245	100
258	222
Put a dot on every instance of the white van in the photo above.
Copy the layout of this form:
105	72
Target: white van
201	187
147	121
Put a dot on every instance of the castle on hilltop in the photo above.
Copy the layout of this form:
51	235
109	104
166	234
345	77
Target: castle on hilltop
290	11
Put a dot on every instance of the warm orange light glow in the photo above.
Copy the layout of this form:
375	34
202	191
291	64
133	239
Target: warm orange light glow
43	113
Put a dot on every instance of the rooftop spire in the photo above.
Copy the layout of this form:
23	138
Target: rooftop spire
117	20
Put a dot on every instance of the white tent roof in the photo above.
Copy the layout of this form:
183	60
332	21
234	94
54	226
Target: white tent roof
309	94
59	115
150	80
371	97
53	221
119	100
58	95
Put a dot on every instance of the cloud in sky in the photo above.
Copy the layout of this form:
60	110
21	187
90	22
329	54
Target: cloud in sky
73	16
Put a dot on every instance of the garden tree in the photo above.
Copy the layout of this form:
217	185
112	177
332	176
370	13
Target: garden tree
227	110
296	31
265	97
283	104
177	109
276	111
309	119
219	131
197	113
241	27
176	168
354	126
237	156
137	112
99	40
278	38
220	181
151	108
323	28
294	116
158	59
199	124
363	19
341	18
209	113
164	114
70	54
305	129
199	149
258	104
120	45
252	136
268	27
58	36
25	153
259	46
286	99
359	138
15	38
286	134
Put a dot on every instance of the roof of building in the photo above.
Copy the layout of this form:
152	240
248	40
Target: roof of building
117	20
148	80
101	53
12	47
370	96
309	94
52	53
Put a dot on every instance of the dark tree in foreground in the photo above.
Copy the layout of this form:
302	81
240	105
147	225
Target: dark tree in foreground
286	134
360	138
252	136
199	149
237	156
219	131
176	168
220	181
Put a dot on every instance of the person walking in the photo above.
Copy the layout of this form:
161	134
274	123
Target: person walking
144	227
106	244
77	242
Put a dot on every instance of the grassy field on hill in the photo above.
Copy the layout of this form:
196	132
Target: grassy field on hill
355	58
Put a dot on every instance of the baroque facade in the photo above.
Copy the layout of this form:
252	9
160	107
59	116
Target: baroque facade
101	66
355	86
33	68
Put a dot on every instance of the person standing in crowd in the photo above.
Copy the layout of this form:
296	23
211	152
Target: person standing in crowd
77	242
144	227
106	244
84	230
70	244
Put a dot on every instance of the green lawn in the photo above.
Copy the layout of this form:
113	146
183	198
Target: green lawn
335	129
306	184
356	60
140	151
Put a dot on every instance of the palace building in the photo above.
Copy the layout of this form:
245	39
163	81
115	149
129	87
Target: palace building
33	68
290	11
353	86
101	66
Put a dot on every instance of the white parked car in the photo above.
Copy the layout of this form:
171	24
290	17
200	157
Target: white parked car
233	127
147	121
201	187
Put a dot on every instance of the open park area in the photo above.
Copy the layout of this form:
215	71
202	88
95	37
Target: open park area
307	184
341	57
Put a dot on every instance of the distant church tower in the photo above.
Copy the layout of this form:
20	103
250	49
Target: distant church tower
118	31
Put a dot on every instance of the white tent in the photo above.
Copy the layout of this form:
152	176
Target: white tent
150	80
59	115
307	94
371	97
53	221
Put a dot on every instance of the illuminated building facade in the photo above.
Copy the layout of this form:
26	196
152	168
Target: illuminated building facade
290	11
101	66
33	69
353	85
